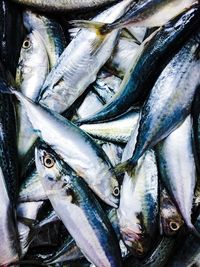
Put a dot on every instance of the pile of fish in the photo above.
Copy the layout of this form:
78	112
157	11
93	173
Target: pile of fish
100	133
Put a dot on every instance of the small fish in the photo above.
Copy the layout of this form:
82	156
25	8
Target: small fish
177	168
78	209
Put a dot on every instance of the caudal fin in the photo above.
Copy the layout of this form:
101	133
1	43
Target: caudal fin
99	27
126	166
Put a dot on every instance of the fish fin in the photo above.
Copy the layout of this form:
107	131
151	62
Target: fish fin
28	222
98	27
5	88
126	166
33	232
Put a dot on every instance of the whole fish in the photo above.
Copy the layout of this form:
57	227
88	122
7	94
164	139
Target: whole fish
150	13
155	51
50	32
80	62
77	148
32	70
138	209
177	168
170	100
118	130
64	5
78	209
170	218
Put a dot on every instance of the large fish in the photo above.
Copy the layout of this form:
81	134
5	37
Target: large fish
80	62
77	148
170	100
78	209
152	56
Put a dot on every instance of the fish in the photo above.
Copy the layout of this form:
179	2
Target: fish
188	252
50	32
170	219
9	249
79	64
149	14
33	67
158	257
170	100
118	130
177	168
31	189
106	85
123	56
81	152
63	6
78	209
156	51
138	208
12	32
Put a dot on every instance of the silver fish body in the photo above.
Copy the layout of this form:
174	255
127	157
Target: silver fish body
78	209
50	32
28	210
64	5
118	130
170	99
78	65
77	148
177	168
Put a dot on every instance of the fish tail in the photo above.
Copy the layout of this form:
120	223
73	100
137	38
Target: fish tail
99	27
126	166
5	88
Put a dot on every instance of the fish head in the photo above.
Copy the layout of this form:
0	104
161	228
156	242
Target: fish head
170	219
137	242
54	173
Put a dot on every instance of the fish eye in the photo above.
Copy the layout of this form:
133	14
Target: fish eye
174	226
48	162
116	191
26	44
